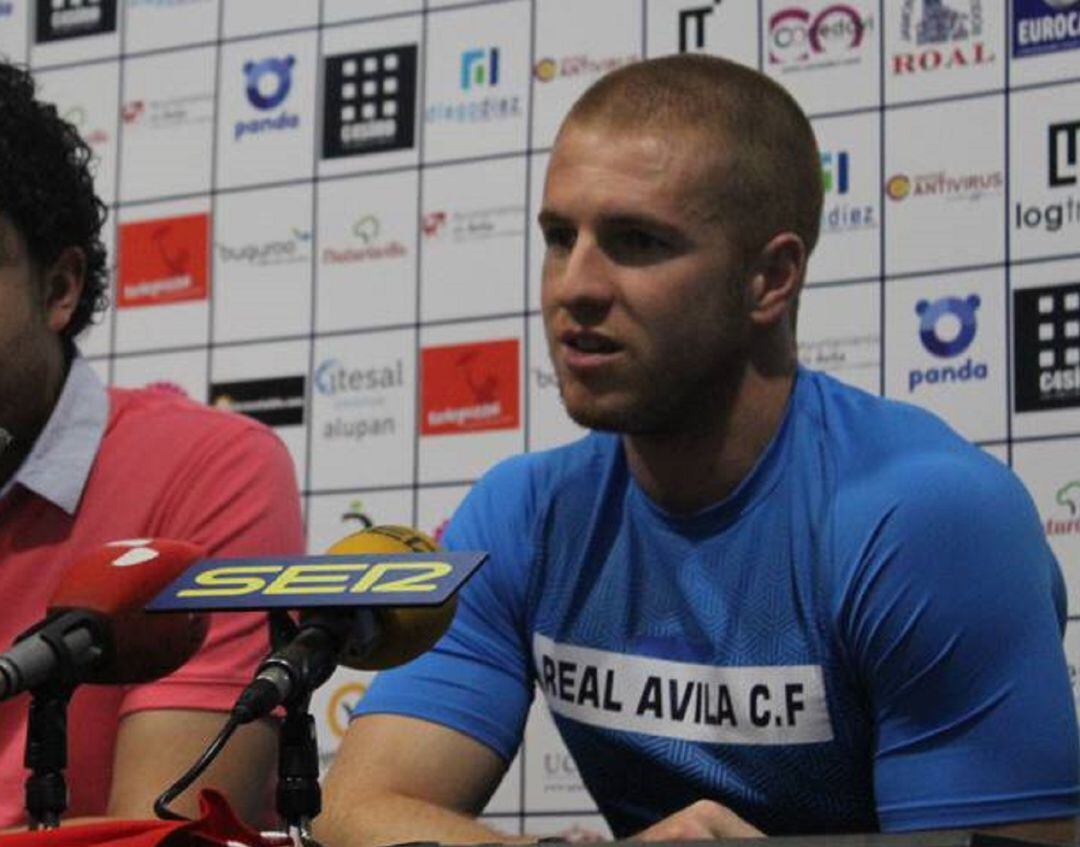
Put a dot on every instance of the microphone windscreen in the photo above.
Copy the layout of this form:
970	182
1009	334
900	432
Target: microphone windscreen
123	575
405	633
117	580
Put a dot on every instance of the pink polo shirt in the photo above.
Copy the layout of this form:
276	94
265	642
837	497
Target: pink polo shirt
164	466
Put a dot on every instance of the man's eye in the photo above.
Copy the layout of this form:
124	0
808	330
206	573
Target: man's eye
561	238
640	240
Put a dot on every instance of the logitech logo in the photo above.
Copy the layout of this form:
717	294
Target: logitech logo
269	81
936	319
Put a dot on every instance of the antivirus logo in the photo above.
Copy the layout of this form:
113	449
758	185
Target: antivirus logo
269	81
947	326
932	313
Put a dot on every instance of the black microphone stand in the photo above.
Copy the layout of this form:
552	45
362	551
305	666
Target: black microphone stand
46	754
299	797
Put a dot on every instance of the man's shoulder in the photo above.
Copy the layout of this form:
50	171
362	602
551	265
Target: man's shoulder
165	414
872	437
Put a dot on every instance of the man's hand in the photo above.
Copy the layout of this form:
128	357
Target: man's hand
704	819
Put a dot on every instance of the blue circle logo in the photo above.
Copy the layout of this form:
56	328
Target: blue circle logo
930	313
258	74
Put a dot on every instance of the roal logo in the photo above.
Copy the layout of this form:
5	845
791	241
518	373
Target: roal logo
1068	500
936	319
479	68
944	37
1045	26
799	39
267	84
340	707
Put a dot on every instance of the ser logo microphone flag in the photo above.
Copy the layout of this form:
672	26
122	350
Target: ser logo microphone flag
369	579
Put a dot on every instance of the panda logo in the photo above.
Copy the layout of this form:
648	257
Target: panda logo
269	81
931	313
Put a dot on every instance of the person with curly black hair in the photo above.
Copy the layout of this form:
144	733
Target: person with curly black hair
82	465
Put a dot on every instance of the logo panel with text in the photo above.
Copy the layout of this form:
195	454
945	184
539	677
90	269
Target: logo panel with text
163	261
1045	26
470	388
1046	331
58	20
370	579
947	327
941	37
370	102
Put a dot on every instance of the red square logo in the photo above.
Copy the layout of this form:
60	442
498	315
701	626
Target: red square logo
470	387
163	261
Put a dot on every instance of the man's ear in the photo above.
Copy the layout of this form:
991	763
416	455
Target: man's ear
776	279
63	285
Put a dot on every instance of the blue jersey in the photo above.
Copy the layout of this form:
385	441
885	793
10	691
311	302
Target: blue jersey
865	634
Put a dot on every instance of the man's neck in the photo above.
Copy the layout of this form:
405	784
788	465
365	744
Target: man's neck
21	441
687	471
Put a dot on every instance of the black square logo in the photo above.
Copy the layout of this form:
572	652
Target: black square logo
61	19
370	102
1046	338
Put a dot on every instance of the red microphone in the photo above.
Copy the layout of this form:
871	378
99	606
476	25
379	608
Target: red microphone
96	630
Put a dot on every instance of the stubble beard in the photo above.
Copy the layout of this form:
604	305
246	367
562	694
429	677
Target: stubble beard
677	402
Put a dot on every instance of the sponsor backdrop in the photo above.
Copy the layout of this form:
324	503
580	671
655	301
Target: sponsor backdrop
323	218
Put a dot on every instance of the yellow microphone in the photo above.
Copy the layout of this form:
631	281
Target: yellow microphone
404	632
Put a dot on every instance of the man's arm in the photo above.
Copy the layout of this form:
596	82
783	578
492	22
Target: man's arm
149	745
953	620
236	497
398	779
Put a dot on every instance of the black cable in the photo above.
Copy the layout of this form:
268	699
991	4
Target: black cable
161	805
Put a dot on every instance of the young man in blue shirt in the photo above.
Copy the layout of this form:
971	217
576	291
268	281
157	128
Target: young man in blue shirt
757	601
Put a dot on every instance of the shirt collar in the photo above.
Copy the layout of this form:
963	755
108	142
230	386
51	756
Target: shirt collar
59	462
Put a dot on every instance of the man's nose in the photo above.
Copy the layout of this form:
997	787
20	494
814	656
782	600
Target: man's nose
583	285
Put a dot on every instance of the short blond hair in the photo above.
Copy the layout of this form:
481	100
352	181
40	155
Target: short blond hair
772	180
